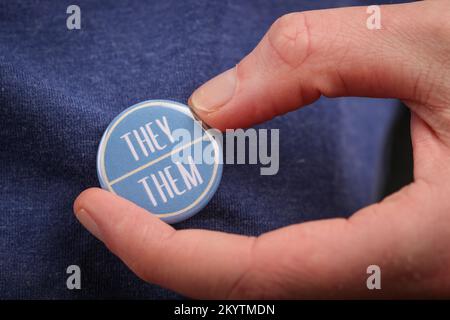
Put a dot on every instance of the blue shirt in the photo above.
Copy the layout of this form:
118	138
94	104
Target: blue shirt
60	88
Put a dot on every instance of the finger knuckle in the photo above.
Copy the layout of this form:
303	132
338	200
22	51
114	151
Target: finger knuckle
289	39
252	285
262	279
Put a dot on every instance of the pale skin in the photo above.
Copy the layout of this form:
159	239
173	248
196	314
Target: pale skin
303	56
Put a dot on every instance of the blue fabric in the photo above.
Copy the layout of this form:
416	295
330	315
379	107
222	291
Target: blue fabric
59	90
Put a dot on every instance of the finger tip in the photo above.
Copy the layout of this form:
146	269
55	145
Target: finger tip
84	197
211	120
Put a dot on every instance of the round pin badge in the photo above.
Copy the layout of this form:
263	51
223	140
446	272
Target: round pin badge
157	155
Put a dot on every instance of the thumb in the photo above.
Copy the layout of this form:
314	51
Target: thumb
325	52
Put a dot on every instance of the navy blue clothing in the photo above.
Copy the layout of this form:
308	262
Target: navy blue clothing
60	89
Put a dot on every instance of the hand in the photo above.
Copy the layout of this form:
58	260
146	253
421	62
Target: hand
303	56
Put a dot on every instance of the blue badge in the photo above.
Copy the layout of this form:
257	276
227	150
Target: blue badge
157	155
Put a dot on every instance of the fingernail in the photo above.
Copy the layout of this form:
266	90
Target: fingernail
215	93
86	220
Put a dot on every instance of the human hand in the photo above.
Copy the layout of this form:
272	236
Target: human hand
303	56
